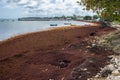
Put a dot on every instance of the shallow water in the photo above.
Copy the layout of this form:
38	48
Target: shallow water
12	28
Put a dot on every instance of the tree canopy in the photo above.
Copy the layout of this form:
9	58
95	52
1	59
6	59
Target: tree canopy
108	9
87	18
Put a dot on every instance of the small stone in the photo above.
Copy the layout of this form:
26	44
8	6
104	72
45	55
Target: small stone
113	77
115	71
93	45
88	47
110	67
84	69
96	76
105	73
111	56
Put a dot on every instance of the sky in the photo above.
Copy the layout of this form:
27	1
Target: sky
40	8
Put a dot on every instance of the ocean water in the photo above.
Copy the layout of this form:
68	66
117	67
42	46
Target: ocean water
13	28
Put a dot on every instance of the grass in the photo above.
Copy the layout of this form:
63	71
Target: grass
116	22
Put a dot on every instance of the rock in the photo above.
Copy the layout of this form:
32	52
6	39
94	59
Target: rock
98	75
82	71
117	49
63	63
112	41
111	71
88	47
116	61
93	45
105	73
107	70
111	56
110	67
115	71
113	77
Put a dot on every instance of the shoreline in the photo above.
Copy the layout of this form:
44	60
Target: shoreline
49	29
38	30
53	54
46	32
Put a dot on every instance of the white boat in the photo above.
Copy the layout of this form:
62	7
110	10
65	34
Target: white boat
67	24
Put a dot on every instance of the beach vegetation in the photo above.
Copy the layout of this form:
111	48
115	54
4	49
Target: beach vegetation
95	17
108	10
87	18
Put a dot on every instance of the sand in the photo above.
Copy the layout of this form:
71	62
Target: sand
55	54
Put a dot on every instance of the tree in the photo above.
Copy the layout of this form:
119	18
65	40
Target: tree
74	17
87	18
95	17
108	10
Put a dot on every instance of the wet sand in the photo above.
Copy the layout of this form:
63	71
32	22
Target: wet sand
57	54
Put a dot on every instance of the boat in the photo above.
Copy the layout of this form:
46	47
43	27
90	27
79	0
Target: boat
67	23
53	24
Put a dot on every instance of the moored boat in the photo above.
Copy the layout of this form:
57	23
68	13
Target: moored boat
53	24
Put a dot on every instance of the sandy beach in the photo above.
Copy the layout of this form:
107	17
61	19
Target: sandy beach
56	54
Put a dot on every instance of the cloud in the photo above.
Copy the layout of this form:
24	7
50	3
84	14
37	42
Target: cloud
23	1
45	7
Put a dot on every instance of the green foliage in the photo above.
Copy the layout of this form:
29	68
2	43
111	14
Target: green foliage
107	9
74	17
95	17
87	18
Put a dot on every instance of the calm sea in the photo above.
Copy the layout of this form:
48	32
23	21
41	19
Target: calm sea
12	28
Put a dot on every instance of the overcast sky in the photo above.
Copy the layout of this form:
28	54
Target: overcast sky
42	8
